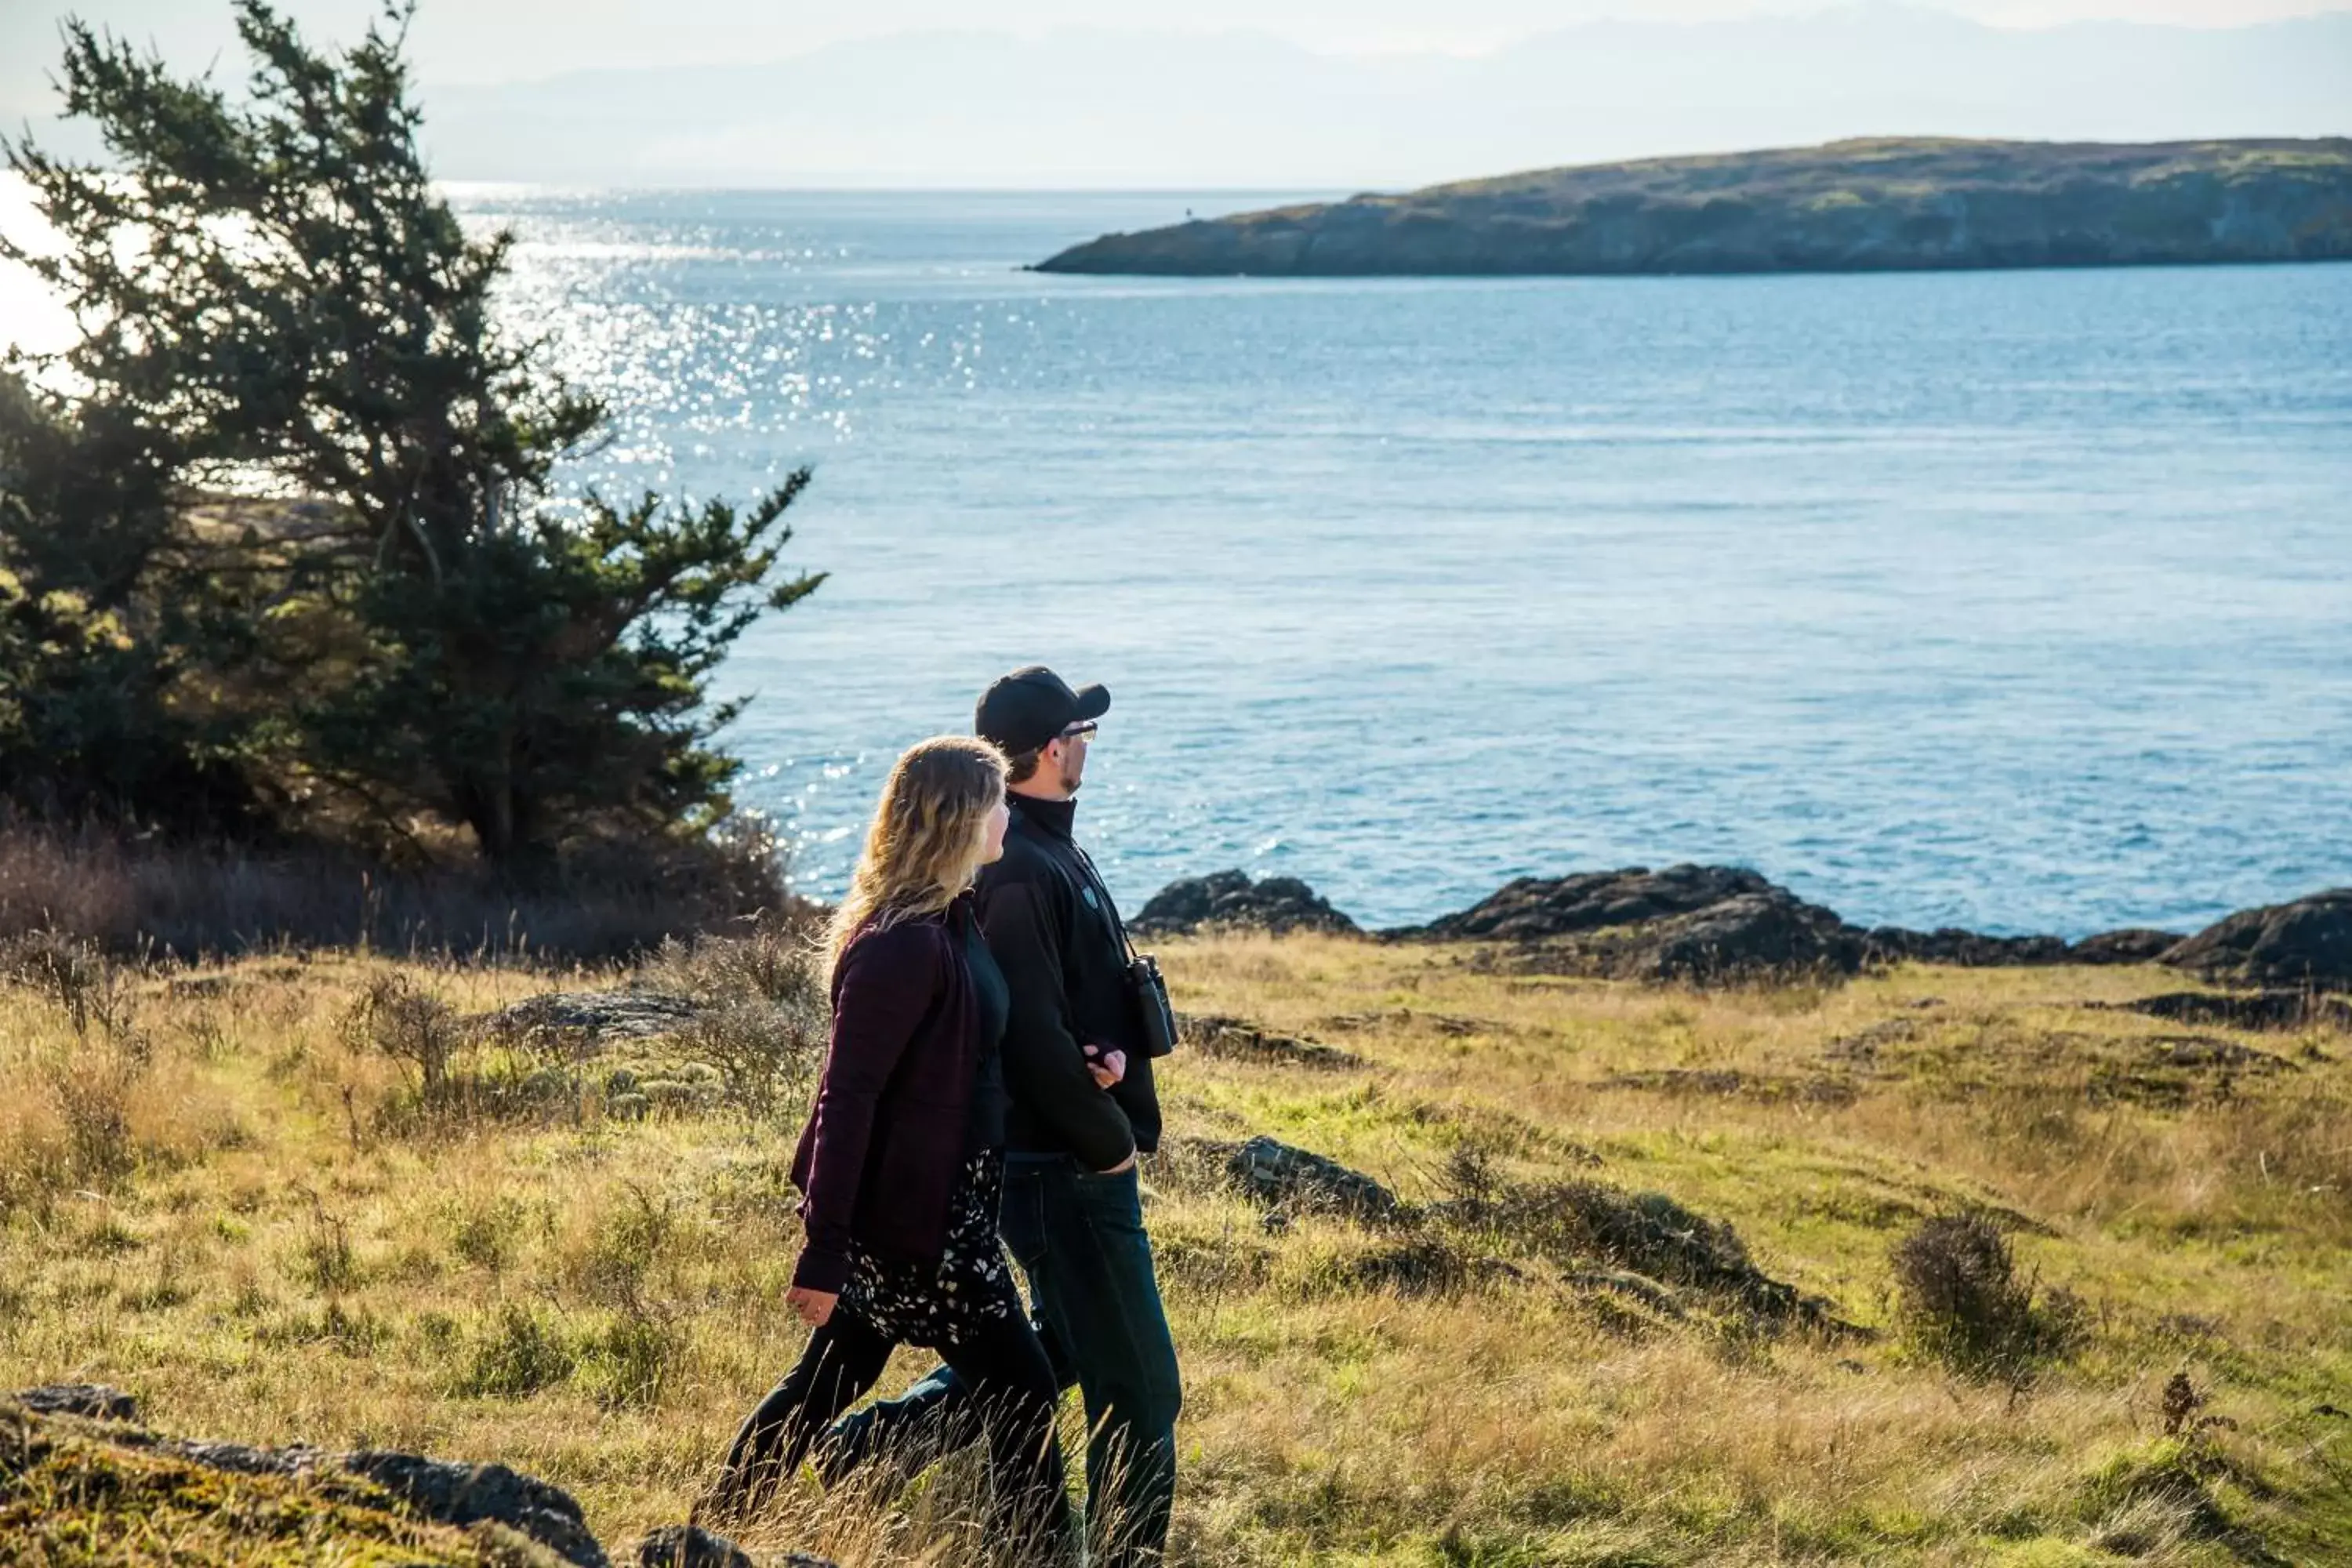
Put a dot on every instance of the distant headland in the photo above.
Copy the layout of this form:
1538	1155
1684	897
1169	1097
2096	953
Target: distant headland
1867	206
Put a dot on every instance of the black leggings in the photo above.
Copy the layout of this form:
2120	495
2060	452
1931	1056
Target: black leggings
1000	1359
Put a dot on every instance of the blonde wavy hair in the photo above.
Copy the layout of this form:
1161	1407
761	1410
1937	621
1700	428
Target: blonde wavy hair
925	844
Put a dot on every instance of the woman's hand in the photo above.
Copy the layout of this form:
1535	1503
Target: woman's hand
813	1306
1107	1066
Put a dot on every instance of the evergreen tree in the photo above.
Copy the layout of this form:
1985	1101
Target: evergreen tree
272	299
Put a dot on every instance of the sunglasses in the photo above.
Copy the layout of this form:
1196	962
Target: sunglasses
1080	731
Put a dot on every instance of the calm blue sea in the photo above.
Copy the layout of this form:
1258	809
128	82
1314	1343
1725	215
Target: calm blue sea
2018	601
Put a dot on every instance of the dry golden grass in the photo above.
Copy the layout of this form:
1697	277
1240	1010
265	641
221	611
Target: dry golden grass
221	1197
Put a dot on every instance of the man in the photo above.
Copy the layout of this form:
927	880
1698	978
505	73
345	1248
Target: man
1083	1107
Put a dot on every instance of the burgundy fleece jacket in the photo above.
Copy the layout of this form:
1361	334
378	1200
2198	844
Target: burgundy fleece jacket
880	1157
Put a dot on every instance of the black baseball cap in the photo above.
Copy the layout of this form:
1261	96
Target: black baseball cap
1023	710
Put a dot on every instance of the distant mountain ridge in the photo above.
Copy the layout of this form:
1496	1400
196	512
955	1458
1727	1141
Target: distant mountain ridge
1109	109
1877	204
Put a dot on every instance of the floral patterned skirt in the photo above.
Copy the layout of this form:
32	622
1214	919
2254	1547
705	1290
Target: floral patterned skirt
937	1304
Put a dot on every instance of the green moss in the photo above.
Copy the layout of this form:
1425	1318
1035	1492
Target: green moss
71	1497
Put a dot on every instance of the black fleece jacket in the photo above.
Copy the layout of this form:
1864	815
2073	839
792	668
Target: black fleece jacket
1050	928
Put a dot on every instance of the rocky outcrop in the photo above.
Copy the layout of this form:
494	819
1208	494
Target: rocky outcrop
371	1503
593	1015
1691	923
1972	949
1573	1224
1290	1179
1876	204
2132	944
2304	944
1532	907
1230	901
1699	924
1237	1040
1706	924
691	1546
2244	1010
96	1401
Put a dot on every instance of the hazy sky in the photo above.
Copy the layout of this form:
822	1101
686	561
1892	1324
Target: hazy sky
503	40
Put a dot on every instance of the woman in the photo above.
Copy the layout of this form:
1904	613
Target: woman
901	1163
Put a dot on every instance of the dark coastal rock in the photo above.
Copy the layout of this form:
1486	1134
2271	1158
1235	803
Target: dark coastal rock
1696	924
1968	948
1755	935
691	1546
1899	203
2242	1010
1230	900
2133	944
94	1401
1975	950
1534	907
2306	943
452	1492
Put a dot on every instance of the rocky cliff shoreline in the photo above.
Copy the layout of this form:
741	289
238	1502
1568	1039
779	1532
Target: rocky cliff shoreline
1700	924
1878	205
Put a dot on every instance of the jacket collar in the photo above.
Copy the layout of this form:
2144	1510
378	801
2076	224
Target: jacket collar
1056	818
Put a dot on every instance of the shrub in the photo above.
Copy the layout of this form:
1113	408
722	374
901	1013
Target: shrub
74	974
1962	1301
324	1262
483	1234
521	1352
394	1016
777	961
627	1363
191	900
758	1049
93	1088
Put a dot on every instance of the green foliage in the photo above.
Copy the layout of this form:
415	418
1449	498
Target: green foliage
273	301
102	619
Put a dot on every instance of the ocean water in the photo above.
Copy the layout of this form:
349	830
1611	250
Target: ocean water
2019	600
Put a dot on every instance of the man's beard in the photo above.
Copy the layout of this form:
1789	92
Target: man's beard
1070	782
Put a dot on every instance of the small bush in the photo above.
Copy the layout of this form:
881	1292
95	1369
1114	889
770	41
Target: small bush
1961	1299
628	1362
628	1237
392	1015
484	1233
91	1089
759	1050
73	973
522	1353
196	900
324	1262
777	961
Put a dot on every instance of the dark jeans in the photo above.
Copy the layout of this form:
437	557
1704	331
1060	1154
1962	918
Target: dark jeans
1012	1400
1080	1238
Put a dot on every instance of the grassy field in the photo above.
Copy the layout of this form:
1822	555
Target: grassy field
301	1198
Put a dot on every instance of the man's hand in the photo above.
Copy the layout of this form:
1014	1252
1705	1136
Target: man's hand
1107	1066
815	1306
